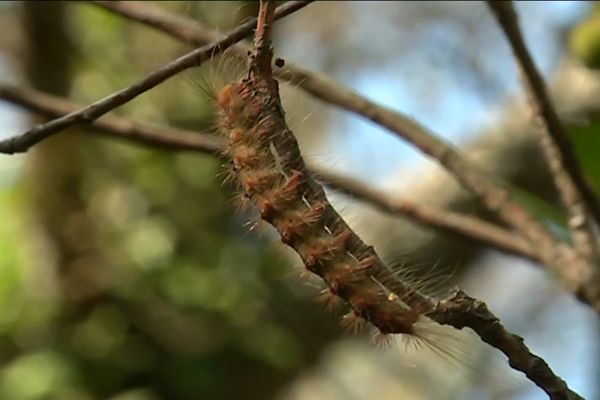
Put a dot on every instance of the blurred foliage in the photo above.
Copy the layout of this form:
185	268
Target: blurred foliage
586	142
585	139
137	280
585	39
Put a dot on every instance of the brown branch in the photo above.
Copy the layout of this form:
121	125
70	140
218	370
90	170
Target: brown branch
87	114
459	310
123	128
567	264
262	43
568	177
177	139
471	228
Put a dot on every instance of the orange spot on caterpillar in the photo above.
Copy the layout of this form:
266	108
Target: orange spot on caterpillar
296	224
244	156
290	190
323	249
265	207
236	136
340	277
236	106
229	97
256	181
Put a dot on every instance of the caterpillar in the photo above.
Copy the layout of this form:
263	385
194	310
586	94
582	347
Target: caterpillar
266	165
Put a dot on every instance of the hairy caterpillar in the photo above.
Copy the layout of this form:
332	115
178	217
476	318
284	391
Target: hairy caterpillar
267	166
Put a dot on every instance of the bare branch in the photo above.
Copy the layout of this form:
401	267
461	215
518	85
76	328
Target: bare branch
573	269
466	226
87	114
459	310
264	27
177	139
159	136
569	179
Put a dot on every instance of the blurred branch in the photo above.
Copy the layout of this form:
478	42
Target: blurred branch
567	263
164	137
459	310
569	179
160	136
466	226
87	114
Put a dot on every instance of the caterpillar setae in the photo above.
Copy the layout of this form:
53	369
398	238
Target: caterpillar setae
266	164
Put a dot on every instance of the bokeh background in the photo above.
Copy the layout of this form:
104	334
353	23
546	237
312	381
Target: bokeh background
125	273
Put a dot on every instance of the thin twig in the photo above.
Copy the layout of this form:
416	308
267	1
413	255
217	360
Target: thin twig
572	269
169	138
568	176
159	136
87	114
466	226
264	29
569	179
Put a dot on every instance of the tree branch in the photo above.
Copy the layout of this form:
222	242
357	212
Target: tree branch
466	226
87	114
163	137
459	310
573	269
568	177
123	128
264	28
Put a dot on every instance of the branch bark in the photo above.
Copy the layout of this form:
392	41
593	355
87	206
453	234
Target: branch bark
468	227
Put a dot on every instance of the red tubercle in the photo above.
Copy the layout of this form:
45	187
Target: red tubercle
340	241
245	156
236	136
295	224
256	181
289	191
340	277
265	207
319	251
226	96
